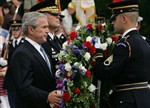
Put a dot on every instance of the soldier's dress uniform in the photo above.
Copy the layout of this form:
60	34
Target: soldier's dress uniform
128	66
62	38
8	81
52	48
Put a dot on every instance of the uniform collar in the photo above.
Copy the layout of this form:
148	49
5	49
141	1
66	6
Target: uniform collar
126	32
51	35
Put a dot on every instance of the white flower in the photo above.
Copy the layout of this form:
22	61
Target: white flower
67	67
57	74
103	24
92	88
83	69
76	64
87	56
89	38
103	46
61	55
64	45
85	84
109	40
77	28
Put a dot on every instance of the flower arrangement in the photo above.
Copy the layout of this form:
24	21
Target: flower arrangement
74	76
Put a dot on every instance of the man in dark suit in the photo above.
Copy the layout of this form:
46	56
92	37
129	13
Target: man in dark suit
13	44
53	44
128	66
32	71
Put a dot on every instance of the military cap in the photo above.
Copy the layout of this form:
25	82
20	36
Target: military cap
16	24
122	6
47	6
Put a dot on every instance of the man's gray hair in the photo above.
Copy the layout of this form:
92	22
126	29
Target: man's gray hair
30	19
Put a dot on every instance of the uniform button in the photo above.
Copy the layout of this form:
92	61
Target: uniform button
120	101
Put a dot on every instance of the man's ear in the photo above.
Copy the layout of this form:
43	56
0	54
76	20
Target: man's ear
124	18
31	30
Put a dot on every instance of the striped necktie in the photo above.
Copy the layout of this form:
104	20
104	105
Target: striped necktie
46	59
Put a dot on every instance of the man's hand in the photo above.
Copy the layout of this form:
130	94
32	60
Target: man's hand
54	98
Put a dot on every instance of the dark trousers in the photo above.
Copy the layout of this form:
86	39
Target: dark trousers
11	99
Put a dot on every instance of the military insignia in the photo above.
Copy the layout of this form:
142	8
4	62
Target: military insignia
14	22
62	37
53	52
121	44
108	61
22	41
52	49
50	39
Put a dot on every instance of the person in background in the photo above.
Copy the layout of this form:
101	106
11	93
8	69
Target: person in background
3	63
140	19
67	20
8	12
16	40
31	66
59	32
128	66
53	44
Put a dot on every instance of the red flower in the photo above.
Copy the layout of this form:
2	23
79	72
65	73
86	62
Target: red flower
77	91
66	96
115	39
68	41
89	26
73	35
99	27
88	73
92	50
40	0
87	44
114	1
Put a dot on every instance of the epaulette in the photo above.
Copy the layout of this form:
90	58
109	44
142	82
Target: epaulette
125	44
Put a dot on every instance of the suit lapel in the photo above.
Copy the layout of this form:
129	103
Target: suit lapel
38	57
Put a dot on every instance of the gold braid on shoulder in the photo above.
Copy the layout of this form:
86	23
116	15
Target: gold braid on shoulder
128	44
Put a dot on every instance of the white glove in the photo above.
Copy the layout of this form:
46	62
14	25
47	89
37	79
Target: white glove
3	62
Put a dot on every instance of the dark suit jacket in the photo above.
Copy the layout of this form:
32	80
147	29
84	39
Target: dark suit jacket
130	64
32	78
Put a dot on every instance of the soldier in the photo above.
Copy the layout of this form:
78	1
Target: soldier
16	39
140	19
53	44
128	66
59	32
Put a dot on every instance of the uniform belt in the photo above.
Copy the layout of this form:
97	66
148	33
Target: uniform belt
131	86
